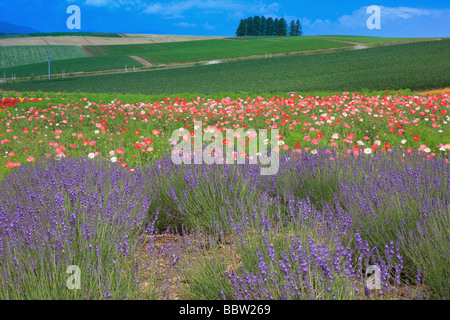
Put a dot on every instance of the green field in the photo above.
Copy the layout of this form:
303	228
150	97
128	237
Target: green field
58	34
419	65
202	50
87	64
368	40
22	55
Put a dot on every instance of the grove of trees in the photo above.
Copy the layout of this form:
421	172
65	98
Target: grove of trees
260	26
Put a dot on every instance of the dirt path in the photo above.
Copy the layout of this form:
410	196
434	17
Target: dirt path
143	61
346	41
87	52
358	45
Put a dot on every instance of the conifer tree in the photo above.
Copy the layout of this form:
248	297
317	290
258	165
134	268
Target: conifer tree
292	29
240	32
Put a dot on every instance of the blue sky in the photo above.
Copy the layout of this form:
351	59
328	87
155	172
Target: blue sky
221	18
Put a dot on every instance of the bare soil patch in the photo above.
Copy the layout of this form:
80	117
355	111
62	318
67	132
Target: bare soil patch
86	51
85	41
143	61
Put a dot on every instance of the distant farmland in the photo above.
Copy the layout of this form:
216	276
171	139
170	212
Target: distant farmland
22	55
58	34
419	65
86	64
193	51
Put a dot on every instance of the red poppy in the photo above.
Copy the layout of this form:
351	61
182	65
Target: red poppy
319	136
387	145
416	137
297	145
137	132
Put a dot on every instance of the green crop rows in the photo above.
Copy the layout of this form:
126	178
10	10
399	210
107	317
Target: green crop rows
192	51
73	65
368	40
419	65
21	55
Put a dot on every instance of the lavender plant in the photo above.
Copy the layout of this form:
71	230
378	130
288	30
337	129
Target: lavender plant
71	212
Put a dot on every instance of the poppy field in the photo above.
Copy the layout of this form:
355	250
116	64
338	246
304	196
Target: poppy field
363	181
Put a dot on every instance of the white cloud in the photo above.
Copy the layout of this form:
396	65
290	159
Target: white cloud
113	3
178	8
185	24
208	27
99	3
391	19
155	8
359	17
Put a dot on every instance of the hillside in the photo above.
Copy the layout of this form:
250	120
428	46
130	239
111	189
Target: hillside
418	65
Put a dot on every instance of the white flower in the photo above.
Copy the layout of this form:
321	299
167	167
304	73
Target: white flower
378	142
97	132
442	149
427	150
360	142
403	141
335	136
367	151
314	151
113	159
91	155
280	143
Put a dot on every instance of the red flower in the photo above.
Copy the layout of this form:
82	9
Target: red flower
137	132
416	137
319	136
298	145
387	145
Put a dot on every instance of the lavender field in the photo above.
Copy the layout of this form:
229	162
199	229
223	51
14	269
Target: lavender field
206	232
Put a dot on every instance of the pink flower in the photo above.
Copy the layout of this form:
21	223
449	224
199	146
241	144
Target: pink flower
120	151
111	153
30	159
11	154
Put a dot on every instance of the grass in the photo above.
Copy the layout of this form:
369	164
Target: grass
420	65
86	64
214	232
202	50
368	40
22	55
301	253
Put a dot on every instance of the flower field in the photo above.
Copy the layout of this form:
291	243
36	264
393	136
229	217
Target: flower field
363	180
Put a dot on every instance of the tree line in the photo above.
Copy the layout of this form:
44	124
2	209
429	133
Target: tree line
260	26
